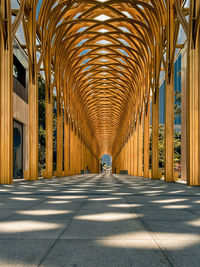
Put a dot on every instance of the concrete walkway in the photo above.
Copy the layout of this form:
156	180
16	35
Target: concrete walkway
99	220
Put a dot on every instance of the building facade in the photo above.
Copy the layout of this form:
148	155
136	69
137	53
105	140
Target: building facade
20	111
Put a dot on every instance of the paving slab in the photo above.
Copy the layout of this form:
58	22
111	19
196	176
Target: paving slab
31	229
170	230
99	220
118	230
23	253
181	252
104	253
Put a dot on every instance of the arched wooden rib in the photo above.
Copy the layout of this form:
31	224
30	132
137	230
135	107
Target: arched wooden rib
118	80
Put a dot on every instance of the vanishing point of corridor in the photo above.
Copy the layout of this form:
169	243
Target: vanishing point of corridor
99	220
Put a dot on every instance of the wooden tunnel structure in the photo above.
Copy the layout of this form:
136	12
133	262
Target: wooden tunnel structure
103	58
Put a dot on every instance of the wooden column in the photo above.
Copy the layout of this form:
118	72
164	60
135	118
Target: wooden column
169	96
6	95
70	137
127	152
30	30
49	118
120	162
82	153
49	134
155	135
66	144
59	148
76	159
72	149
125	156
155	174
122	159
131	153
146	139
83	164
128	155
184	91
76	150
193	97
135	147
79	153
140	146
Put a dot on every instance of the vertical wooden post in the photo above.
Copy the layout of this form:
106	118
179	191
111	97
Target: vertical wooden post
140	146
120	160
82	153
59	149
70	136
128	155
78	153
125	156
115	165
49	120
75	149
131	152
66	144
135	146
6	96
32	173
146	139
49	134
155	135
184	91
72	148
169	96
193	97
155	120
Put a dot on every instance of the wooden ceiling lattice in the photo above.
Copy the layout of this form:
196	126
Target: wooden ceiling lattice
103	51
103	48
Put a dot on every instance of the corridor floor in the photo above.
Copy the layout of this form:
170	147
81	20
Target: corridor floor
99	220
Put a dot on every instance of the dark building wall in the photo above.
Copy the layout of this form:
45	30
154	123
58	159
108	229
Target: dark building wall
20	72
20	110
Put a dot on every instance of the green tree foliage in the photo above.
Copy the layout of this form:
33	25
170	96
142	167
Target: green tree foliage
177	105
42	125
161	145
42	131
177	146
